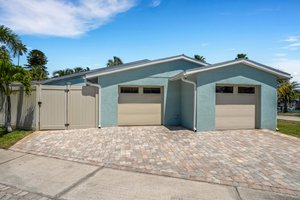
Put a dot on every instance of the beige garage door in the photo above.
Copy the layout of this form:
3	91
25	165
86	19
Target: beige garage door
235	107
140	106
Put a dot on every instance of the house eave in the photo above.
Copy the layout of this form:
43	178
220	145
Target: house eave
159	61
275	72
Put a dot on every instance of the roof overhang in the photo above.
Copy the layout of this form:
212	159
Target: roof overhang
154	62
276	72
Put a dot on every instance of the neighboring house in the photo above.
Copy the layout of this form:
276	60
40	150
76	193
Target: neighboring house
181	91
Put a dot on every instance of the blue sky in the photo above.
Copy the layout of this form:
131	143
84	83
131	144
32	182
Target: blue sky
89	32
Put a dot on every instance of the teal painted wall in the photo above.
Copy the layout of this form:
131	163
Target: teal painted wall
236	74
74	81
187	103
155	75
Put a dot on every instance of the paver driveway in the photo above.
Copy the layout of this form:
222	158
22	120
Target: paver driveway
258	159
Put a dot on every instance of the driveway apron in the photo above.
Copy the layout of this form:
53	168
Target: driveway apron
258	159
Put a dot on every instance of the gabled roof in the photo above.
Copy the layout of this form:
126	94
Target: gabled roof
119	68
250	63
91	71
123	67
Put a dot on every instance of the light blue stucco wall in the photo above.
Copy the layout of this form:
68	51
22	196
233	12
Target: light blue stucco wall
236	74
187	103
78	80
155	75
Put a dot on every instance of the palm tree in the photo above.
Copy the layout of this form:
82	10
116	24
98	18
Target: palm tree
9	74
20	51
241	56
115	61
69	71
63	72
12	41
110	63
58	73
200	58
37	73
287	92
78	69
4	54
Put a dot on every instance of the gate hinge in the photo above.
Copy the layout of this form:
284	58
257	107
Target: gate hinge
67	90
67	124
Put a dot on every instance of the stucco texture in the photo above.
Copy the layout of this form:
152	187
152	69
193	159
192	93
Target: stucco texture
155	75
236	74
178	96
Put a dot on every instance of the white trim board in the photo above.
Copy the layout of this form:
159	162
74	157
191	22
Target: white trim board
246	62
182	57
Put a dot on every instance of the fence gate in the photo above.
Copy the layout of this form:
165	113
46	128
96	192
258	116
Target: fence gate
68	107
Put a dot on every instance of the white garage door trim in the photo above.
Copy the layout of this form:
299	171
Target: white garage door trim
236	110
140	105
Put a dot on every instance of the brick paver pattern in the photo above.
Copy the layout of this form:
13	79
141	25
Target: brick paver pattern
258	159
11	193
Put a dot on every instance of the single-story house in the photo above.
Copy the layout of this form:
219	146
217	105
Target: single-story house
182	91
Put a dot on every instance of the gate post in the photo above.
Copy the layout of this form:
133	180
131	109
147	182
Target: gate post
38	102
67	91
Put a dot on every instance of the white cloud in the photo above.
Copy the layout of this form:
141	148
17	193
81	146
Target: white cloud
290	66
204	44
280	54
292	39
155	3
293	46
59	17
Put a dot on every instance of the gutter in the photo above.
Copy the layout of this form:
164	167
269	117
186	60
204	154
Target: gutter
195	100
99	97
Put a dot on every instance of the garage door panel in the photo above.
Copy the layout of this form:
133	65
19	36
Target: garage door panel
235	99
235	111
139	109
235	123
142	119
235	116
139	98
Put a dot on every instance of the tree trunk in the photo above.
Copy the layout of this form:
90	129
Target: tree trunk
285	106
8	115
18	59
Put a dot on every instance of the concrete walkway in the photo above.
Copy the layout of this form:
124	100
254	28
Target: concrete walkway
290	118
26	176
256	159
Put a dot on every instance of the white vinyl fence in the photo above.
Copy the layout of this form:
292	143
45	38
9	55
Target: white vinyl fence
53	107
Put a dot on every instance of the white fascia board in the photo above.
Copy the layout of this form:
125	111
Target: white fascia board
210	68
144	65
237	62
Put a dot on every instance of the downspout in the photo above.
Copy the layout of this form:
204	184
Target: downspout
99	96
195	99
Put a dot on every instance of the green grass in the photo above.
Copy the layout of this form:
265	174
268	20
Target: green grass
9	139
289	127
